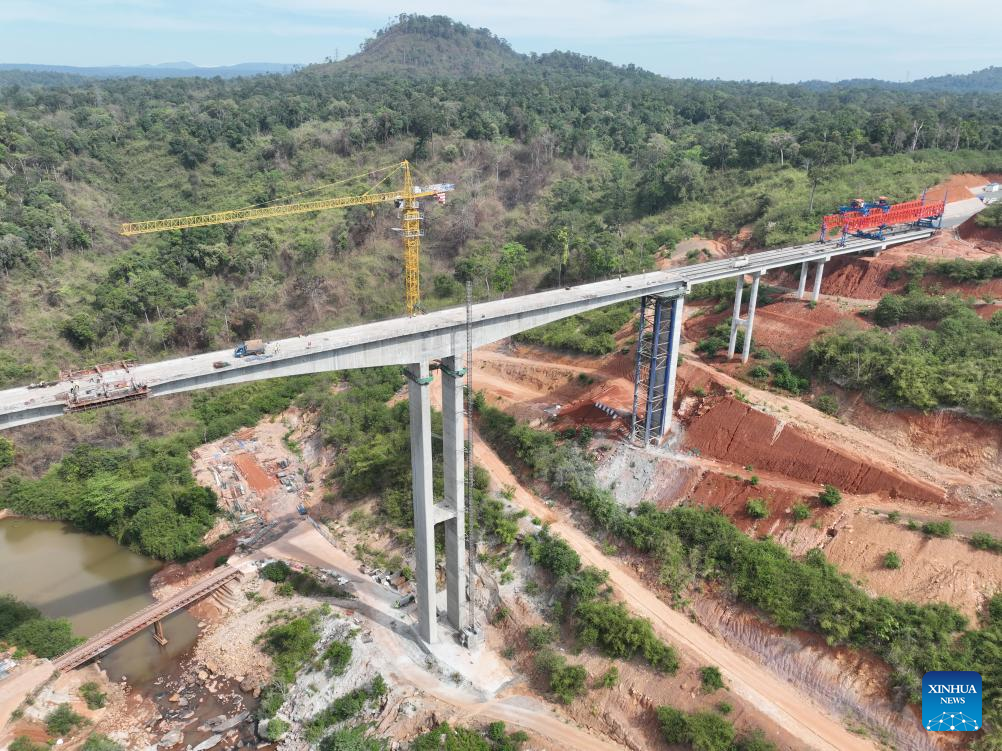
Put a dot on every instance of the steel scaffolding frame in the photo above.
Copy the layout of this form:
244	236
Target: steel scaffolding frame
651	381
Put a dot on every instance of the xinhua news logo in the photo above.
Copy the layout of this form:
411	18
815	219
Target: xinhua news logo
951	700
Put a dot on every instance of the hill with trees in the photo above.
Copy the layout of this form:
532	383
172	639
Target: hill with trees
567	169
429	46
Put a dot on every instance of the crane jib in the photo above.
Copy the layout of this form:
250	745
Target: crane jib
243	215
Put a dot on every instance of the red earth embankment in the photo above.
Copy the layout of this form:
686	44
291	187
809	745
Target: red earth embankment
731	494
870	278
727	429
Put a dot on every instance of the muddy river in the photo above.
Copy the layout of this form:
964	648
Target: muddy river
93	582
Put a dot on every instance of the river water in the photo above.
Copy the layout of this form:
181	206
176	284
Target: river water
94	582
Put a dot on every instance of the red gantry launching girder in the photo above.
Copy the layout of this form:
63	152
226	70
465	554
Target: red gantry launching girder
872	221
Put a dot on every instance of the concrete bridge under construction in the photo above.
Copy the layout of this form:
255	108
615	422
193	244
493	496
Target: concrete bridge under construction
439	339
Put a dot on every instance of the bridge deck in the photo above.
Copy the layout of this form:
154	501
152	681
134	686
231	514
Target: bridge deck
405	340
103	641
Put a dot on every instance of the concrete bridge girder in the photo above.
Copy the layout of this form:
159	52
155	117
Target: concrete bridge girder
415	342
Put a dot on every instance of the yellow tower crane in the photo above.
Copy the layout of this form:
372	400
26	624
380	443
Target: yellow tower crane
406	200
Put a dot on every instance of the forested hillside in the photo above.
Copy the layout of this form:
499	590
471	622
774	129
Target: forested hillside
565	166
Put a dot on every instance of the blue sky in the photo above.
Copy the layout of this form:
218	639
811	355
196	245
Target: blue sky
781	40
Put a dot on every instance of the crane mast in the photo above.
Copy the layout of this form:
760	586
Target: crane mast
406	200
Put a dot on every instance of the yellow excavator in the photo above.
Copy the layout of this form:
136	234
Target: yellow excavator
406	200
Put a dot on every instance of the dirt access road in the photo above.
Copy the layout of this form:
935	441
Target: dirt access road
405	662
775	698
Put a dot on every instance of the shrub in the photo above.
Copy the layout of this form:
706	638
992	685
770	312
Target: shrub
344	708
938	529
753	480
759	372
24	743
291	646
276	571
830	495
98	742
801	512
610	678
892	560
985	541
827	403
539	636
93	695
754	741
618	634
702	731
337	656
63	720
757	508
276	728
710	679
566	682
553	553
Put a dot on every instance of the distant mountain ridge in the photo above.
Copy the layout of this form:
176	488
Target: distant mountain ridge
158	70
437	46
985	81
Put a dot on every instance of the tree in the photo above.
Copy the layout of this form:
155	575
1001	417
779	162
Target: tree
512	259
80	330
13	251
44	637
820	157
6	452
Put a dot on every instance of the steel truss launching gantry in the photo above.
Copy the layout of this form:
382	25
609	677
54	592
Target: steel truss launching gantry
406	200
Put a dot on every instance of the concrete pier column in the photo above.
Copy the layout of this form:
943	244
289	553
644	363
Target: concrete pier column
424	513
750	320
739	287
802	284
674	338
819	271
453	450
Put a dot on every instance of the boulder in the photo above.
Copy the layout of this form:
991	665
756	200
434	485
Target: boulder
171	739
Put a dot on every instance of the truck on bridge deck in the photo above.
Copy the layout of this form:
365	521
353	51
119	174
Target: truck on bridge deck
250	347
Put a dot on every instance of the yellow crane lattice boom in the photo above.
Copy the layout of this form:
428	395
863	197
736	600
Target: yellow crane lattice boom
410	230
